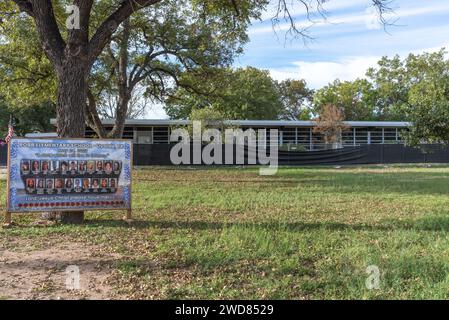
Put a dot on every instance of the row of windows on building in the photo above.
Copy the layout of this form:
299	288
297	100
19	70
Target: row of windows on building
294	135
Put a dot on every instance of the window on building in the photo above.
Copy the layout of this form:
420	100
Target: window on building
144	136
161	134
128	133
361	135
347	137
289	135
376	136
390	135
304	136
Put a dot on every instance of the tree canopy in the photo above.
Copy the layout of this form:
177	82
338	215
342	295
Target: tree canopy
426	77
355	99
330	124
245	93
26	74
32	118
153	49
296	99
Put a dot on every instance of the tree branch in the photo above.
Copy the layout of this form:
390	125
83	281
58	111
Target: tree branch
79	38
25	6
315	8
104	33
51	39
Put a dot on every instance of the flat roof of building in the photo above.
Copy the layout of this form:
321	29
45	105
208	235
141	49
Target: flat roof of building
41	135
255	123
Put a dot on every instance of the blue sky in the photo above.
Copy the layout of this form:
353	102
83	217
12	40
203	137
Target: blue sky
347	44
350	42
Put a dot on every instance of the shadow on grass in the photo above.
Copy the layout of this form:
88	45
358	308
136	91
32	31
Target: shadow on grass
431	223
422	183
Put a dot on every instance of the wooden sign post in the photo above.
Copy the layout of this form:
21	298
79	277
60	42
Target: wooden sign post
128	218
8	220
8	216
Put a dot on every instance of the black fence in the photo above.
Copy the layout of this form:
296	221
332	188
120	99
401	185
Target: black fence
159	154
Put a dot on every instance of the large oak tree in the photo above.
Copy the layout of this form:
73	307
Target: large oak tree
73	57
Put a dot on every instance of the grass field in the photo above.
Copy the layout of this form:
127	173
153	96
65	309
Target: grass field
306	233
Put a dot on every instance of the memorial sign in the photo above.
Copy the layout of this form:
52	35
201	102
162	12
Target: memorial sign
69	175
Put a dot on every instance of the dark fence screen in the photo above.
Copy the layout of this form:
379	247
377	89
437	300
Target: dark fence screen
368	154
159	154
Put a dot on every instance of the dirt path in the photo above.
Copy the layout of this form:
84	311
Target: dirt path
27	272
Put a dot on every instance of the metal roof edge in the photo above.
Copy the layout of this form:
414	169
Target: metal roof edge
268	123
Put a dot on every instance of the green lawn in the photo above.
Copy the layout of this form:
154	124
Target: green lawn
306	233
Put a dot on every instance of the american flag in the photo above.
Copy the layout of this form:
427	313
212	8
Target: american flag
10	133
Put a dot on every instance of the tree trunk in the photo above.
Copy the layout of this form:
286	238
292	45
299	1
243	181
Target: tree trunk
122	110
124	89
72	97
92	118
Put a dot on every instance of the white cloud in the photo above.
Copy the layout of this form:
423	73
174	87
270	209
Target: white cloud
320	73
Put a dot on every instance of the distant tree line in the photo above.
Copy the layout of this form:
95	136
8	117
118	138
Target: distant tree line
394	90
414	89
